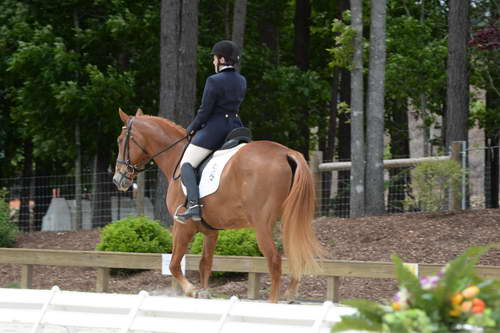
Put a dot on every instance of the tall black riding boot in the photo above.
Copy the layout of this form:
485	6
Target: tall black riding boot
193	210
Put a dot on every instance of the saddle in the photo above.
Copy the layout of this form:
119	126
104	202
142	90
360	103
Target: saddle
234	138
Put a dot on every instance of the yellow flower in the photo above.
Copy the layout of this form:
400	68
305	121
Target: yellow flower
470	292
454	312
396	306
457	299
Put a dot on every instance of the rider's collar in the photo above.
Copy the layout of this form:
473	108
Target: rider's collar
225	67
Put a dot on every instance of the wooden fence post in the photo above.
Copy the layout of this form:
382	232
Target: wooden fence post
26	276
253	285
316	157
332	288
102	279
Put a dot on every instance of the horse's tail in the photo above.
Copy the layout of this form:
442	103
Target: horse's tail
300	244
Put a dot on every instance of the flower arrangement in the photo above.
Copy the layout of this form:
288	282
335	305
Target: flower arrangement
454	300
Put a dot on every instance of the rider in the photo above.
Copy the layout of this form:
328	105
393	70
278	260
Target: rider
217	116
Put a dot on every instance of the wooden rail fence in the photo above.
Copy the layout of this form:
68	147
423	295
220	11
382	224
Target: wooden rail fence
332	270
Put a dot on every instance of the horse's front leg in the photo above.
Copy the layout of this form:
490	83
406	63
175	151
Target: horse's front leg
182	235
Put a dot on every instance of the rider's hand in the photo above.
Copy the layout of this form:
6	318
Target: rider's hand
190	130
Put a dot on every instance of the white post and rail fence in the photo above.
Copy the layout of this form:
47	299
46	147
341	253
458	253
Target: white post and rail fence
332	270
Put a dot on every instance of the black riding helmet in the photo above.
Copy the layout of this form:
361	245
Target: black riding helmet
227	49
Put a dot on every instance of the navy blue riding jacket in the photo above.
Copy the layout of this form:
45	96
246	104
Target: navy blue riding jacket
218	112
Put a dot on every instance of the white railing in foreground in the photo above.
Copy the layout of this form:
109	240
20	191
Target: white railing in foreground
143	313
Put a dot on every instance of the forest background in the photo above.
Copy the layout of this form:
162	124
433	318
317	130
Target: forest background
66	66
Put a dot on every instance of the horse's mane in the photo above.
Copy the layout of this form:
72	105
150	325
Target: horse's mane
166	122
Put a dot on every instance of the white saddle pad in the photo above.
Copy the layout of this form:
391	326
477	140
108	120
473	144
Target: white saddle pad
210	178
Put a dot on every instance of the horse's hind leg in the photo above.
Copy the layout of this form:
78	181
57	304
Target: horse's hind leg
182	234
291	292
266	245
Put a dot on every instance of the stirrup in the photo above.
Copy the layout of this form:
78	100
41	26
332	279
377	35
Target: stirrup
175	215
178	219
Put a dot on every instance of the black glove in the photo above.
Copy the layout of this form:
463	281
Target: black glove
190	129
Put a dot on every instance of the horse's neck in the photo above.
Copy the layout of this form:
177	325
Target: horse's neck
168	160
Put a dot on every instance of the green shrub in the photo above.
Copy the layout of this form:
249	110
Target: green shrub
135	234
432	182
240	242
8	230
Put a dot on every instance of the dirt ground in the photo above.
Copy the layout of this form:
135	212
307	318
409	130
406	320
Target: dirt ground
417	238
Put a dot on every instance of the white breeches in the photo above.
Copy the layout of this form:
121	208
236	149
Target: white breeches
194	155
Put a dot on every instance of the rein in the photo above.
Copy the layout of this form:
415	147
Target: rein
140	166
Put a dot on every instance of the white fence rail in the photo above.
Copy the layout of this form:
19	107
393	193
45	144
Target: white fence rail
395	163
48	310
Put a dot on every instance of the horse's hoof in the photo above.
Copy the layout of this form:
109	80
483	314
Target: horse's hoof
203	294
192	292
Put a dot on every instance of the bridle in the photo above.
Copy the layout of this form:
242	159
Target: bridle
134	169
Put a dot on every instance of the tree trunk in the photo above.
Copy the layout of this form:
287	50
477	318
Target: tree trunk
357	200
179	41
269	34
239	16
342	200
491	170
375	202
341	203
400	148
101	189
457	110
301	25
301	50
495	179
457	99
492	155
78	224
24	208
227	20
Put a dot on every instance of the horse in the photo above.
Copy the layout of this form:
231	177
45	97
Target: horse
262	182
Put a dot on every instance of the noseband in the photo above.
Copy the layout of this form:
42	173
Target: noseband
133	169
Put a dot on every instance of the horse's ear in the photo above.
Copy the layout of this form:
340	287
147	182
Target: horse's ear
123	116
139	113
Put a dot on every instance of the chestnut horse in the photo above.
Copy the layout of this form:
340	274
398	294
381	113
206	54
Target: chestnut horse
262	182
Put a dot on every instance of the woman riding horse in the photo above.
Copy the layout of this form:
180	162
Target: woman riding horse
217	116
263	182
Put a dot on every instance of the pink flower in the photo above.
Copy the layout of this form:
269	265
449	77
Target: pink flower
429	282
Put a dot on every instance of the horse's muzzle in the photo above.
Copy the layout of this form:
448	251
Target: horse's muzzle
121	182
